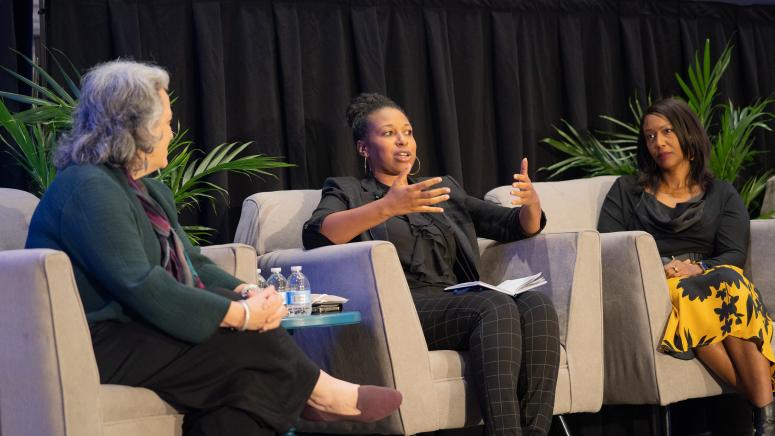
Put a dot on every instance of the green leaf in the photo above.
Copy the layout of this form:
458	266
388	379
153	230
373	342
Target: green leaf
65	97
198	235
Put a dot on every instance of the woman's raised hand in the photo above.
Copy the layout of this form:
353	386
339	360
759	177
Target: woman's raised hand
404	198
524	194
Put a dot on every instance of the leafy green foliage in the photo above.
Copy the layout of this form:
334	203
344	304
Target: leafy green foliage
32	150
703	82
34	132
590	154
731	130
186	174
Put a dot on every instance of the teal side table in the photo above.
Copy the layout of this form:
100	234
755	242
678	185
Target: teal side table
322	320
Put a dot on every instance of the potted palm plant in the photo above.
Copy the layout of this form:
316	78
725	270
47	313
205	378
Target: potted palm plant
731	129
34	131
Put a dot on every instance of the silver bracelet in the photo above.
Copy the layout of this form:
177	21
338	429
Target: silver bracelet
246	289
247	316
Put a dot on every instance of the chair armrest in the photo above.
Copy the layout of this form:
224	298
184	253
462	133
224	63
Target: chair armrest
761	252
49	383
636	305
570	262
238	260
387	348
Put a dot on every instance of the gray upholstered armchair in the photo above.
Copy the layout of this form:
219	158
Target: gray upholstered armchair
49	384
768	204
389	348
636	303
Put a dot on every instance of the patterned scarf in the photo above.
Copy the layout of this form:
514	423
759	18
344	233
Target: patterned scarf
174	258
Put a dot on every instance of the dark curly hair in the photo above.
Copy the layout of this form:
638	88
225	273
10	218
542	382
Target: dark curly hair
361	107
693	138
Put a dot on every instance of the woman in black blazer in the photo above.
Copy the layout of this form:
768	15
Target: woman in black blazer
433	223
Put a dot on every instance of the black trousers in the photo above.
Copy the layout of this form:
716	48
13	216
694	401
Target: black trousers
235	383
514	349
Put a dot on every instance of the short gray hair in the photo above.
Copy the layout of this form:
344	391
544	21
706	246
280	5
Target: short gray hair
119	105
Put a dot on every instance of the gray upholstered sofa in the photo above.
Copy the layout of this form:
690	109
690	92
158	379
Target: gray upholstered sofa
636	304
49	384
389	348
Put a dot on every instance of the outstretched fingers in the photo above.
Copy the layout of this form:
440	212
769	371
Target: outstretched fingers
429	197
425	184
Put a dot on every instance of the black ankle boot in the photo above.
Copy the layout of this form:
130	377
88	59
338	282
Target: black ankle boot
764	420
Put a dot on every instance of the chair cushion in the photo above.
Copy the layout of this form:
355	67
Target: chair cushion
582	196
260	225
451	365
456	399
137	411
16	209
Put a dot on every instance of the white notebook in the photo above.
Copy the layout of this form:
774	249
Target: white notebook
511	287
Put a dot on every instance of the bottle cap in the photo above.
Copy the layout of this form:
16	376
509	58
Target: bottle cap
276	270
296	268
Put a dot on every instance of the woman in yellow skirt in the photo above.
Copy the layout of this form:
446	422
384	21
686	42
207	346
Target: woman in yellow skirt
701	228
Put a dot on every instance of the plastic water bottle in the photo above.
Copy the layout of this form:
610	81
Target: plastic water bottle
280	284
299	293
260	280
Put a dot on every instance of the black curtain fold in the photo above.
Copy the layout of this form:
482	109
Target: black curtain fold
15	35
482	81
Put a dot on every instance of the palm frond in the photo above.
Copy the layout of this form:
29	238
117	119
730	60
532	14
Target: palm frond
703	77
732	149
70	77
753	188
589	154
61	95
199	235
186	174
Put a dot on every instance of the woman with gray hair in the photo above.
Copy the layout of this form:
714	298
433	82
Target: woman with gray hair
161	315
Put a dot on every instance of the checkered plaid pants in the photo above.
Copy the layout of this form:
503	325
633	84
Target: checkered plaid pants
514	351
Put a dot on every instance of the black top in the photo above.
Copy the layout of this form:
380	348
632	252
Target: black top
426	249
435	250
714	226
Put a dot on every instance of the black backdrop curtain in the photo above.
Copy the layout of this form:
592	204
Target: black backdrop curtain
15	34
482	81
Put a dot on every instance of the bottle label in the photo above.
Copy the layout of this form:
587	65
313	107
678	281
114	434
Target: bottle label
299	297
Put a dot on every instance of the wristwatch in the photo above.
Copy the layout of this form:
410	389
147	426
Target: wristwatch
245	291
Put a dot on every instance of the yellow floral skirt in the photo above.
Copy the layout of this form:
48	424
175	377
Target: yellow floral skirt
718	303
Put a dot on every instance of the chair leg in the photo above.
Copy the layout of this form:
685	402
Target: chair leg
661	422
667	421
564	425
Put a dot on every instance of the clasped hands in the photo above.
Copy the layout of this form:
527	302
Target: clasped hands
404	198
266	308
681	268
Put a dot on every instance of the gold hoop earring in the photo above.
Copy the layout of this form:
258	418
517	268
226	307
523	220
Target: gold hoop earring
419	165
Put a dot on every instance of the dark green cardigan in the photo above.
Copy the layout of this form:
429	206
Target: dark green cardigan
90	213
